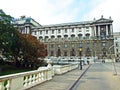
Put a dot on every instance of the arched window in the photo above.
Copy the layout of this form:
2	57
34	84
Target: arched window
65	53
80	36
72	53
87	36
58	52
72	37
46	38
40	38
65	37
52	53
52	37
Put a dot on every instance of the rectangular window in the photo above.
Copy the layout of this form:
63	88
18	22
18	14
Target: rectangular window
52	53
52	46
116	44
80	30
40	32
46	31
65	30
87	28
52	31
117	55
72	29
117	50
59	31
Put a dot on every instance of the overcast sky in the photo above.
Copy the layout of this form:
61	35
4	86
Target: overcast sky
63	11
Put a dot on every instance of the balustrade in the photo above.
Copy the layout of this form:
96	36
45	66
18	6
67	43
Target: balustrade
22	81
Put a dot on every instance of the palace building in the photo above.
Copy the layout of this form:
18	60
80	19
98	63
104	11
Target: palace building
85	38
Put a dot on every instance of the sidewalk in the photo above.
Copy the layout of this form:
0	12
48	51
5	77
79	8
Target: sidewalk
99	77
61	82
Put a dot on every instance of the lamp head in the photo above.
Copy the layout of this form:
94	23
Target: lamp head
80	49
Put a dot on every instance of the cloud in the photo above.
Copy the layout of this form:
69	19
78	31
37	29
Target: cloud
63	11
43	11
107	8
58	13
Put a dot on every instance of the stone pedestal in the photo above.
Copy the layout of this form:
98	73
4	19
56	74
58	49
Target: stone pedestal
49	64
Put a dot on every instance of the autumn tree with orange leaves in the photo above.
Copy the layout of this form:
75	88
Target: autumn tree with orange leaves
30	50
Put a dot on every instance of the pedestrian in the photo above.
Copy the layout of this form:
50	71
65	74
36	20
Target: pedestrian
80	64
88	62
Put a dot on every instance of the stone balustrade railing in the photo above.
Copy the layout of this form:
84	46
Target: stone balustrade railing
21	81
58	69
25	80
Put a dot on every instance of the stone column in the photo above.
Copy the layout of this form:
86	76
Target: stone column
106	30
25	32
27	29
111	29
95	30
99	30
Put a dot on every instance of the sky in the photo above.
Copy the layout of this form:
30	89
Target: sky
47	12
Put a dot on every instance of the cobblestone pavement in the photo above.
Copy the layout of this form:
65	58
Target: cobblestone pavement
61	82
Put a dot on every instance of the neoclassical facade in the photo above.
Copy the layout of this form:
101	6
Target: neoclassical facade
86	38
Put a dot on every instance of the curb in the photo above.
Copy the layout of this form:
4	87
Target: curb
79	78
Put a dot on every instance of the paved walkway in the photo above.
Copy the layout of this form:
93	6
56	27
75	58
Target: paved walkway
61	82
100	76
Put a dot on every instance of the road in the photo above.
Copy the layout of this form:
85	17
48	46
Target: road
100	76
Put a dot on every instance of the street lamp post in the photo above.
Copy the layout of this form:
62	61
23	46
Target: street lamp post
80	59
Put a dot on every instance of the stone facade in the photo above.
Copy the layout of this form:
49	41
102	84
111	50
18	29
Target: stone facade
25	24
86	38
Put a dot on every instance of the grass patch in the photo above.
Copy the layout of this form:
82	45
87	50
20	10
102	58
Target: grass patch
10	69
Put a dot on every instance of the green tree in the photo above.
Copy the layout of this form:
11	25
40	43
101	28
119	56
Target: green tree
8	34
21	48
